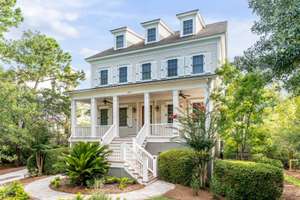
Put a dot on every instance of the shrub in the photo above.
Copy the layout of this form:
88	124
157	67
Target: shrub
240	180
99	196
270	161
55	182
53	164
13	191
123	182
87	161
176	166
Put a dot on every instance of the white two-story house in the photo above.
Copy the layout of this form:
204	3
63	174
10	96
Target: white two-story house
140	84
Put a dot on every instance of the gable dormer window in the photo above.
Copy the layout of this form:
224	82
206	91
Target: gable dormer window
151	35
119	41
188	27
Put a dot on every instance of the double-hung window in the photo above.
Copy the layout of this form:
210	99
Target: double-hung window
119	41
198	64
122	74
123	116
104	117
151	35
104	77
188	27
146	71
172	67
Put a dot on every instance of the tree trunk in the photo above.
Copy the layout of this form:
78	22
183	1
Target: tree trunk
39	162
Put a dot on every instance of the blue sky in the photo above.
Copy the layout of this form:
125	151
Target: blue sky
82	26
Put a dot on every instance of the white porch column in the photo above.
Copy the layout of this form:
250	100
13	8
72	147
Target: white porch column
147	112
176	110
116	114
73	117
94	116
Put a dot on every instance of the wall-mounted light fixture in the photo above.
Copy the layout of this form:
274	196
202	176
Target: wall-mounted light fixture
157	108
134	109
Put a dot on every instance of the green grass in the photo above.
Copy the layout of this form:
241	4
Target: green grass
292	180
159	198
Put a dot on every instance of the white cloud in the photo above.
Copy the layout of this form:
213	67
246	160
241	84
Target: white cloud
86	52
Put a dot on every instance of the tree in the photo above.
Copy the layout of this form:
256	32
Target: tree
9	15
39	63
198	129
277	52
243	99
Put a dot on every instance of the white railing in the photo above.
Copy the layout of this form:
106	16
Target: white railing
82	132
101	130
141	136
144	161
109	135
163	130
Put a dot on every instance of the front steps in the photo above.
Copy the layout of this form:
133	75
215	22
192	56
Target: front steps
130	165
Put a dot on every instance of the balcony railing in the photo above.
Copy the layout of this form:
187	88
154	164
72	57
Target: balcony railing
86	131
163	130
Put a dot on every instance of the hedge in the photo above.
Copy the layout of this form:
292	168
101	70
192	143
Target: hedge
53	163
241	180
270	161
176	166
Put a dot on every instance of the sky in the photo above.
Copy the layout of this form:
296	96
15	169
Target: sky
82	26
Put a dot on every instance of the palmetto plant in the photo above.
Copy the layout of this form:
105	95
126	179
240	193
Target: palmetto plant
87	161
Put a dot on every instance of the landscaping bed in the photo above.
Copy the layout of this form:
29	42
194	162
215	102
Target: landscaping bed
111	188
185	193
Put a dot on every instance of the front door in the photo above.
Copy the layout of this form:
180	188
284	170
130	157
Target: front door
143	115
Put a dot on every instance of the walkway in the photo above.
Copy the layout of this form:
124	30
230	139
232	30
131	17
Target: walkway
13	176
40	189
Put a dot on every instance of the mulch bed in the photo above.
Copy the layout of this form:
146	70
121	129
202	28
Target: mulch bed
8	169
107	188
185	193
28	180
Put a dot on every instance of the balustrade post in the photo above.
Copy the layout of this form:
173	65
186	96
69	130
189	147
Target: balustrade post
93	117
73	117
123	151
116	115
155	166
147	113
145	169
175	111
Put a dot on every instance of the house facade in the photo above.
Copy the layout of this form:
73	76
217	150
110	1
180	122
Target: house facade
139	86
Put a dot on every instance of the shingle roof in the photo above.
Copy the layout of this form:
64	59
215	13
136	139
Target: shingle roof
209	30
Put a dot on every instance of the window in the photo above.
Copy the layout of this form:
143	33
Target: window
123	116
120	41
170	113
172	67
151	34
123	74
146	71
187	27
197	64
103	77
104	117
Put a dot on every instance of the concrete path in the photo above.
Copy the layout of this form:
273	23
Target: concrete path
13	176
40	190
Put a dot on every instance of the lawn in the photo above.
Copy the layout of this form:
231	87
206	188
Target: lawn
292	180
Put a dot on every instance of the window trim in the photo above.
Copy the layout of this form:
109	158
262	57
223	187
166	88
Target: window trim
156	34
182	27
123	66
192	65
141	71
100	71
167	67
116	40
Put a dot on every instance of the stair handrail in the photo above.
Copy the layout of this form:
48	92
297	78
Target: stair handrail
109	135
141	136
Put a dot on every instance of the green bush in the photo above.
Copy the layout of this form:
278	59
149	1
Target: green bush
176	166
55	182
13	191
241	180
53	164
86	162
270	161
123	181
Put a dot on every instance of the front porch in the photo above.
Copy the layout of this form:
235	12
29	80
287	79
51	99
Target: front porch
92	118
